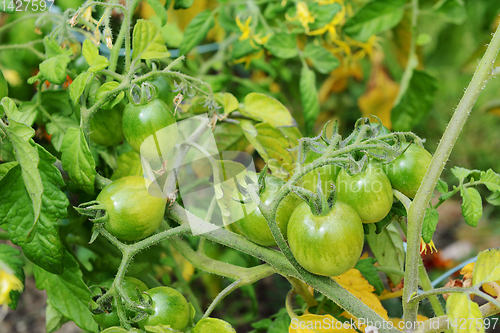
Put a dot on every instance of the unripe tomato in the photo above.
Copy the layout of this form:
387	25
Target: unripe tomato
213	325
162	90
150	123
133	213
110	318
407	172
4	89
106	126
327	245
328	175
253	225
170	308
369	192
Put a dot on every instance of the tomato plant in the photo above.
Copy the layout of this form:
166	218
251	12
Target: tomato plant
253	225
369	192
125	201
213	325
327	175
329	244
170	308
106	126
407	172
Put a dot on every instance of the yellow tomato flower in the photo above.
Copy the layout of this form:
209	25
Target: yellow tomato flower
423	246
245	28
303	15
8	283
248	59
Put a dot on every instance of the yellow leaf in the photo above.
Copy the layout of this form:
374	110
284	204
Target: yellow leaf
311	323
464	315
379	97
357	285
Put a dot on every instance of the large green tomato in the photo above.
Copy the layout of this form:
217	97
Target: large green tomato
170	308
4	89
253	225
369	192
407	172
133	213
327	245
106	126
213	325
328	174
150	128
110	317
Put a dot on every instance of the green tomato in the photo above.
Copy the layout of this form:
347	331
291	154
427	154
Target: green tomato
213	325
120	330
162	90
407	172
150	128
110	316
327	173
4	89
327	245
170	308
369	192
253	225
133	213
106	126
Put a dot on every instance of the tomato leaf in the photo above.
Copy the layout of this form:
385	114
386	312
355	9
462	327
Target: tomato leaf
58	127
282	45
373	18
491	180
415	103
94	60
196	31
323	15
28	112
388	249
370	273
67	293
129	164
321	58
10	258
5	167
442	187
148	42
104	89
494	198
431	220
266	109
78	86
461	173
227	100
230	137
183	4
16	211
309	98
453	11
460	309
487	267
160	10
77	159
52	48
20	135
472	208
54	69
53	319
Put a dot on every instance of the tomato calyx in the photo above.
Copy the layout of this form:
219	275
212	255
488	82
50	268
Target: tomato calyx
93	209
143	94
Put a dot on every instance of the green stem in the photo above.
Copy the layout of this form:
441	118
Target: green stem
389	270
28	46
449	290
426	285
418	207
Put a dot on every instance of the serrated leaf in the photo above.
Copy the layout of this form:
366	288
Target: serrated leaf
282	45
58	127
367	269
196	31
16	212
266	109
415	102
77	159
67	293
321	58
148	42
54	69
106	88
271	144
160	10
94	60
472	207
442	187
388	249
309	98
491	180
78	86
431	220
461	173
487	267
129	164
373	18
53	319
460	309
25	115
51	46
9	257
228	102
